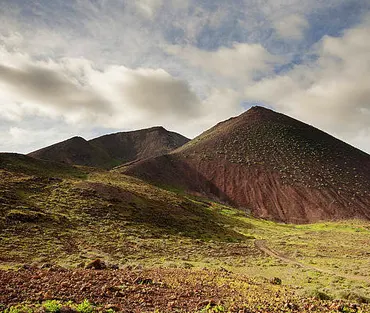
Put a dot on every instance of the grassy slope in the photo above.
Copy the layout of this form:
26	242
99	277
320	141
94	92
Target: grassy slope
85	215
23	164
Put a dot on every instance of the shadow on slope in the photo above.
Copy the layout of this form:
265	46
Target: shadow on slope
19	163
66	218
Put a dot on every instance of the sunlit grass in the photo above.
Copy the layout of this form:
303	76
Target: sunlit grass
139	225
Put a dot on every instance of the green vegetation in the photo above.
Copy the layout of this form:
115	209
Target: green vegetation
21	308
184	242
52	306
85	307
319	295
213	309
24	164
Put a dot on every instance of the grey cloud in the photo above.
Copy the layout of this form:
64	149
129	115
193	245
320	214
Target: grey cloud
52	89
159	94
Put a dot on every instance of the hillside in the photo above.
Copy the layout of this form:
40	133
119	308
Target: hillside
271	165
26	165
75	150
114	149
162	251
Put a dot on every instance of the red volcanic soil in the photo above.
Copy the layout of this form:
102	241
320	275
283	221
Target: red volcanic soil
114	149
270	164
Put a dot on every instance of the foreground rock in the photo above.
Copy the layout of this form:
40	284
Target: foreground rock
165	290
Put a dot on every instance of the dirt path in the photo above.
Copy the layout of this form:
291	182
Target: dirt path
261	245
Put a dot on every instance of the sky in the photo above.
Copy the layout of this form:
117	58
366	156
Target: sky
92	67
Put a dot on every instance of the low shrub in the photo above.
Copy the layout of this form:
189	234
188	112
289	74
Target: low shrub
85	307
52	306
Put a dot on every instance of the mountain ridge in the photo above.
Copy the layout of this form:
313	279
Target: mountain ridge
110	150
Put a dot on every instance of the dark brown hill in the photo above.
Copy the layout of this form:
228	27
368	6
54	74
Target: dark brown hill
270	164
75	150
114	149
140	144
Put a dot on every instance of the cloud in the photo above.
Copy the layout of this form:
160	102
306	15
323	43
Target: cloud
183	64
220	105
149	7
143	97
331	92
79	93
156	93
291	27
48	87
242	61
76	92
70	86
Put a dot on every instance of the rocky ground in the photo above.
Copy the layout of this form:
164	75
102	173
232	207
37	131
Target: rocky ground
32	289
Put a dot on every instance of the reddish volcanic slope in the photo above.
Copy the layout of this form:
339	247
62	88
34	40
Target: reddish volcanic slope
270	164
114	149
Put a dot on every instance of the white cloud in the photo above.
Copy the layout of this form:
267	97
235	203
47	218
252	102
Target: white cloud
242	61
78	93
77	90
220	105
149	7
291	27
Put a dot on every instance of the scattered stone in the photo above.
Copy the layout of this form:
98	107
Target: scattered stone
119	294
187	265
207	303
67	309
65	284
276	281
81	265
224	270
113	267
171	304
56	268
143	281
47	296
114	288
291	306
96	265
29	267
111	307
46	265
353	306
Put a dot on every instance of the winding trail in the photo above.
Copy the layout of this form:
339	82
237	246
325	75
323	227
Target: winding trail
261	245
